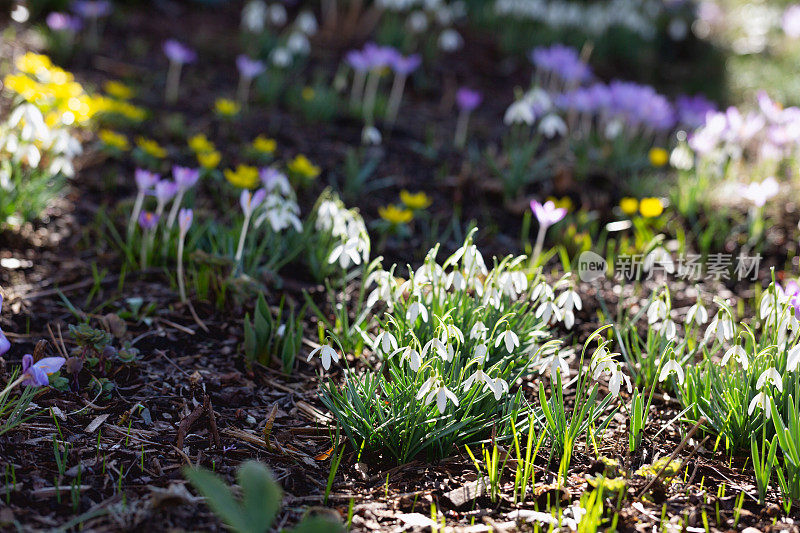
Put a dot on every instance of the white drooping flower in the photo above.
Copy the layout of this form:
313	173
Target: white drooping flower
410	354
721	327
697	313
657	311
740	355
671	367
770	375
509	338
326	354
762	400
434	389
438	347
793	358
385	341
416	309
478	331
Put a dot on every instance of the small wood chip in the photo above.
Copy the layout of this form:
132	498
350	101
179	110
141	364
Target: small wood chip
96	423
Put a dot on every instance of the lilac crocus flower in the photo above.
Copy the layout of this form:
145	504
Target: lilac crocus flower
405	65
402	66
467	99
547	214
759	193
184	222
92	9
63	22
692	110
164	191
249	202
274	179
185	218
790	21
178	52
563	62
37	373
185	177
249	68
357	60
145	179
148	220
5	344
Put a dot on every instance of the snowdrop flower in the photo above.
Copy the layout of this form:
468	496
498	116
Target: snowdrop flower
616	376
509	338
450	40
371	136
740	355
298	44
555	362
254	16
347	252
478	331
413	357
416	309
659	256
417	22
657	311
452	332
548	310
306	23
520	112
276	13
432	389
552	125
792	358
480	353
436	345
770	375
326	354
385	341
281	57
697	313
721	327
762	400
671	367
668	329
37	373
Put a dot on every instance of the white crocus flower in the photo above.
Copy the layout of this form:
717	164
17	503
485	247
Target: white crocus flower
740	355
698	314
762	400
770	375
509	338
432	389
670	367
416	309
326	354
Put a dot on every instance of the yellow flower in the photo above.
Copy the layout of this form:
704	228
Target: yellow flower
209	160
301	166
226	107
415	201
658	156
114	139
629	205
264	145
651	207
245	176
564	202
118	90
395	215
307	94
151	147
200	144
34	64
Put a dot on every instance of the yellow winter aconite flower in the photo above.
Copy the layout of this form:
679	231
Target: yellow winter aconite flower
245	176
200	144
34	64
651	207
226	107
264	145
629	205
395	215
658	156
564	202
151	147
307	94
209	160
114	139
418	200
302	166
118	90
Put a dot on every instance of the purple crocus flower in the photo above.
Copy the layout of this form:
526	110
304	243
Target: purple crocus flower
692	110
5	344
405	65
378	57
63	22
547	214
185	178
250	201
39	371
249	68
792	290
178	52
92	9
467	99
148	220
563	61
185	218
145	179
357	60
165	190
